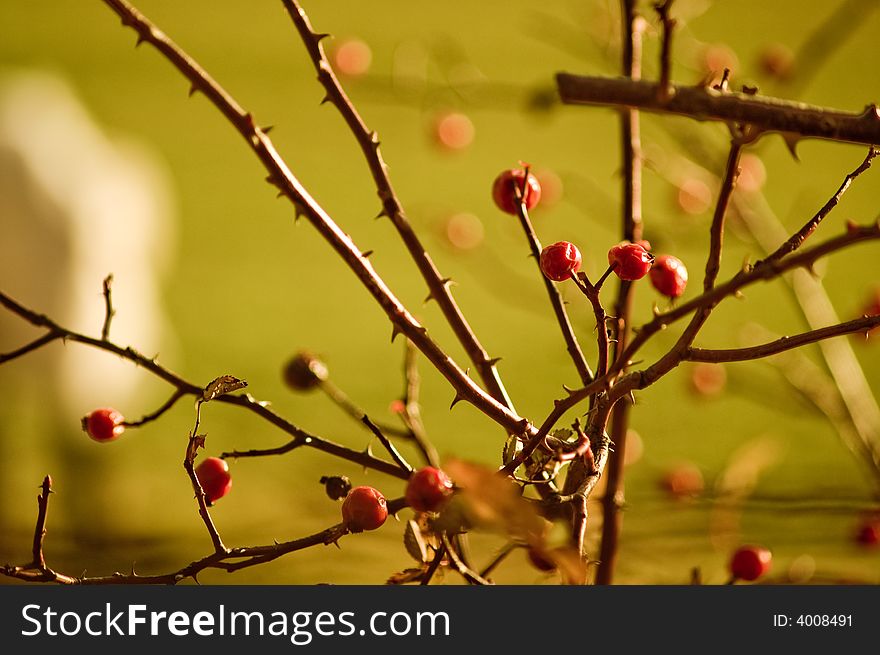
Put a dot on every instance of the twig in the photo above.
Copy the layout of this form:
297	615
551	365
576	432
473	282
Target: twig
109	312
168	404
782	344
395	454
508	548
345	404
798	238
435	564
571	342
195	442
592	294
764	113
301	437
631	228
749	275
49	337
716	232
281	177
412	413
665	89
391	206
39	560
472	577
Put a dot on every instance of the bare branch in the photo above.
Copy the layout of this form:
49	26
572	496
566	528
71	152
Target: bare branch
782	344
109	312
168	404
39	560
49	337
289	186
798	238
368	141
571	342
195	442
342	400
395	454
716	232
700	103
665	89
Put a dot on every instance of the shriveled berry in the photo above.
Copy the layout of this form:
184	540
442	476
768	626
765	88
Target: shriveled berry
504	190
630	260
103	424
669	276
750	563
428	489
213	474
304	371
540	559
560	260
364	508
336	486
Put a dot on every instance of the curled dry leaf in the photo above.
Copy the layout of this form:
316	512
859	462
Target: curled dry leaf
222	385
493	502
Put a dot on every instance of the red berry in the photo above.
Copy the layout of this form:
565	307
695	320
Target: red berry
683	481
214	476
364	508
868	534
560	260
504	190
103	424
540	560
750	563
669	276
630	260
428	489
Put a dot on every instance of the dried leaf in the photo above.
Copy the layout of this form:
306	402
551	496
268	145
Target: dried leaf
406	576
492	501
415	544
222	385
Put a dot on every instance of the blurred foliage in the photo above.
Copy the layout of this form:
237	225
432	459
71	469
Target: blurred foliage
249	288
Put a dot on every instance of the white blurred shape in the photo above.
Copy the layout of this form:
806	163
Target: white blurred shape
75	206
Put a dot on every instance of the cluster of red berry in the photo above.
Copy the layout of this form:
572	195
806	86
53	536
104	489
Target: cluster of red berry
561	260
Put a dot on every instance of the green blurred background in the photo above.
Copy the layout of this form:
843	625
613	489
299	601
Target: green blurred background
247	287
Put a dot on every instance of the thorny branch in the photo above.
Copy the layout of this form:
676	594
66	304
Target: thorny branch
289	186
766	114
392	207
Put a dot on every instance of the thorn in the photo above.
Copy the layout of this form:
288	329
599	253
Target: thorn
382	213
455	400
394	332
326	99
192	90
567	389
140	40
271	180
366	254
428	298
791	141
447	282
749	90
267	129
319	36
280	194
494	361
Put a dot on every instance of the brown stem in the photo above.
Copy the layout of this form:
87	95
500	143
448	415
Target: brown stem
571	342
39	560
341	399
602	342
716	231
167	405
665	89
782	344
395	454
392	207
301	437
195	442
612	519
798	238
472	577
109	312
49	337
766	114
281	177
412	412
